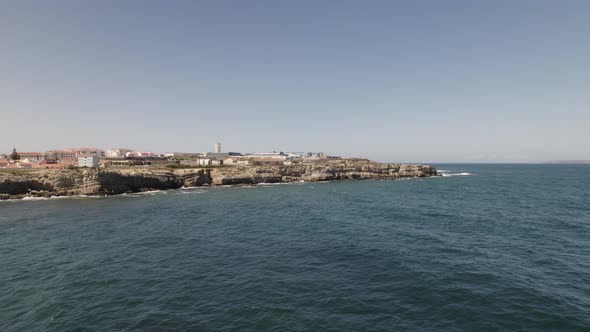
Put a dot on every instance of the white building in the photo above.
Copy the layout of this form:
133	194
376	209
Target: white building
217	147
88	161
268	155
183	154
117	153
204	162
90	151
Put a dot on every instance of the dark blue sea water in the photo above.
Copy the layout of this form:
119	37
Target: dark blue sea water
505	247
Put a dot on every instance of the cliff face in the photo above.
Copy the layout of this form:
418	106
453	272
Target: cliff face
112	181
339	169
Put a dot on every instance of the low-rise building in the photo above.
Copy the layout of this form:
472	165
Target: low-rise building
32	156
15	165
106	162
90	152
88	161
268	155
190	162
209	162
183	154
250	161
204	162
117	153
68	155
222	154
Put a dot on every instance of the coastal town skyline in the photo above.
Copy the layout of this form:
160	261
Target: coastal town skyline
130	152
73	153
125	157
390	81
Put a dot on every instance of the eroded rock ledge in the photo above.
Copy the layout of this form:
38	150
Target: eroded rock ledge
113	181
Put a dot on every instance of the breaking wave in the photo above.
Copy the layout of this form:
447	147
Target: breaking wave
455	174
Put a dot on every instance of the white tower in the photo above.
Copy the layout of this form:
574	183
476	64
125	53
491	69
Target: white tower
217	147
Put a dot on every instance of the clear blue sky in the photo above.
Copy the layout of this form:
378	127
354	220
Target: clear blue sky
423	81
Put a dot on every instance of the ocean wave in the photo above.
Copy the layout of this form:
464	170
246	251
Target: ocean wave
33	198
30	198
456	174
195	188
188	192
149	193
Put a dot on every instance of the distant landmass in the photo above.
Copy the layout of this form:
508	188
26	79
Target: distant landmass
568	162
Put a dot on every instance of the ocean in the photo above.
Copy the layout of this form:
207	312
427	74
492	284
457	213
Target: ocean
484	248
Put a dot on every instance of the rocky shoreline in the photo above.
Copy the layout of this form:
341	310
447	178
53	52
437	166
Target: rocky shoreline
114	181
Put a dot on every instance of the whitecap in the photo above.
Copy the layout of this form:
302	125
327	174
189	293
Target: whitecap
76	197
149	193
188	192
31	198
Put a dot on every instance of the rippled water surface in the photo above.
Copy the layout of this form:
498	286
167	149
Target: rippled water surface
488	248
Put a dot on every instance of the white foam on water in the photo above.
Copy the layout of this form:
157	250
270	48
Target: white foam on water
77	197
266	184
456	174
149	193
33	199
189	192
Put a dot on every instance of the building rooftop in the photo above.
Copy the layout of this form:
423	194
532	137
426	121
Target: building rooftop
89	149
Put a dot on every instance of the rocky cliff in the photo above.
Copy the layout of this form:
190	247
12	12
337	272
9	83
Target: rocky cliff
112	181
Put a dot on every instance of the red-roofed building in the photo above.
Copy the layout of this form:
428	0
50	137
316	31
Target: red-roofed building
61	154
17	165
11	166
33	156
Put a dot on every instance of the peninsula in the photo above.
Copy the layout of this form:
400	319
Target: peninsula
17	184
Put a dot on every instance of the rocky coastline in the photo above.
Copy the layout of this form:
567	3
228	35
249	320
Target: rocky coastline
114	181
